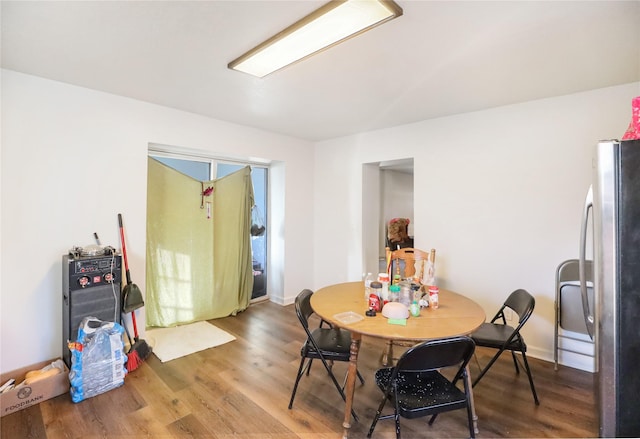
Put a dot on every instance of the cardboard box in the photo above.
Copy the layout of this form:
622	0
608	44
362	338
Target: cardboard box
28	395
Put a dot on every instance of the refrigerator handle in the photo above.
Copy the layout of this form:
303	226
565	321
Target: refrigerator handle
588	314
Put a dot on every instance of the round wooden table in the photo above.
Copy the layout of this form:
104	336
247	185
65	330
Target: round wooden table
456	315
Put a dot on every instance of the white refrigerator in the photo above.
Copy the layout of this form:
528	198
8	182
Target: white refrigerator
613	319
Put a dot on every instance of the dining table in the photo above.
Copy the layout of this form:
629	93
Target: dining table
344	305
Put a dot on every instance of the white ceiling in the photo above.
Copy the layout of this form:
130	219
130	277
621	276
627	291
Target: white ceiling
439	58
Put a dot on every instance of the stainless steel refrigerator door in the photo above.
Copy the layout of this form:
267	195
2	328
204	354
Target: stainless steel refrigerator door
617	283
604	224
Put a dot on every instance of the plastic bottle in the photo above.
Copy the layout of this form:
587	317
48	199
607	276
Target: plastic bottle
429	275
383	278
367	285
405	293
433	297
415	292
414	309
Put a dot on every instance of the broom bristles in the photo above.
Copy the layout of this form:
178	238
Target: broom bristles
141	348
133	361
137	354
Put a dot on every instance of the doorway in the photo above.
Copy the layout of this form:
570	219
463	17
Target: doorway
388	187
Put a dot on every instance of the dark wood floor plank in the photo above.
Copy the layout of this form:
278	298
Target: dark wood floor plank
26	423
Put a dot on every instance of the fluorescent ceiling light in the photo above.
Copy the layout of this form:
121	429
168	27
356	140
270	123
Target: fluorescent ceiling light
334	22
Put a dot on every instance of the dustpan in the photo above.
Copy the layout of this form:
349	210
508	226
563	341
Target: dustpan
131	298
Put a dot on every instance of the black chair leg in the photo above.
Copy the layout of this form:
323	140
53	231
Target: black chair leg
487	367
528	370
515	362
346	375
295	385
472	431
335	382
377	416
301	372
396	417
467	391
526	367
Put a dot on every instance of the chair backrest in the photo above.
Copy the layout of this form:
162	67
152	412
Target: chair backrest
407	262
436	354
522	303
568	271
303	308
569	313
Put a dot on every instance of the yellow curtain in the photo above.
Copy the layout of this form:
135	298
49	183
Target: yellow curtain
199	263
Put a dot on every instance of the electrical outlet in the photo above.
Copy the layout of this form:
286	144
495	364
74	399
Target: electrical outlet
508	314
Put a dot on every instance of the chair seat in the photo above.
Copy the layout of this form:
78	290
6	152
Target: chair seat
334	344
494	335
422	393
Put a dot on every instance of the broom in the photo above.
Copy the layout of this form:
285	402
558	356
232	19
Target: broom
133	358
139	351
132	300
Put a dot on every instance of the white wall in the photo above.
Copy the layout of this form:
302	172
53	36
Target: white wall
499	195
73	158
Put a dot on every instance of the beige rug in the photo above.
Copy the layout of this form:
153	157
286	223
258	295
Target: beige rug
171	343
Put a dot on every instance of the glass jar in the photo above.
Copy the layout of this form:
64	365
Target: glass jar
394	293
376	288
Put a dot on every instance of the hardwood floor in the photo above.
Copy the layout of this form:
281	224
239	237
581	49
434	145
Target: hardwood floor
242	390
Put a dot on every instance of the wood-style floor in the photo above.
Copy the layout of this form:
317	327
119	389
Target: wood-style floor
242	390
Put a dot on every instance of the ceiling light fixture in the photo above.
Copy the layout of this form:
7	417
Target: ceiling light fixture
334	22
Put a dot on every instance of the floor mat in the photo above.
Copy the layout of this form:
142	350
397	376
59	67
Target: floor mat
171	343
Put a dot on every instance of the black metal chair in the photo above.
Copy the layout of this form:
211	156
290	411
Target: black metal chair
324	343
498	335
416	387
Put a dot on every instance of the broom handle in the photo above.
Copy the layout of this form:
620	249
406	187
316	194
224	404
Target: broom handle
126	330
124	250
135	326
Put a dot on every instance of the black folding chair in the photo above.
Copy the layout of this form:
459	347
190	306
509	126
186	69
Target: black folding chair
416	387
498	335
324	343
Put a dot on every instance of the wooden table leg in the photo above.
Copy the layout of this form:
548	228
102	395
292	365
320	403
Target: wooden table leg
351	382
387	354
473	406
